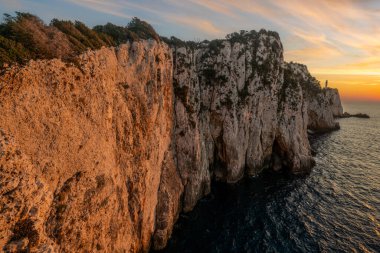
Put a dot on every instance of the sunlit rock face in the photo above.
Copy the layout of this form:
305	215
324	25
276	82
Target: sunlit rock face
103	154
89	144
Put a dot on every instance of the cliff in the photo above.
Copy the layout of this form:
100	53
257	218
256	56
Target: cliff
104	154
89	144
233	109
323	104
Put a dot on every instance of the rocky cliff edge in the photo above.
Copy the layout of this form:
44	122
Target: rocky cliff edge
104	154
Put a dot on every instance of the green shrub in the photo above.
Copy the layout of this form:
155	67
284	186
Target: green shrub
24	37
118	34
177	43
142	29
12	51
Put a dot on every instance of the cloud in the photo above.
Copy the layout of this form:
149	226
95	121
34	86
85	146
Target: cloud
108	7
312	53
119	8
374	63
310	37
332	31
365	66
199	24
215	7
327	34
12	4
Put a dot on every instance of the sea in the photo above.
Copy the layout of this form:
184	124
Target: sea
335	208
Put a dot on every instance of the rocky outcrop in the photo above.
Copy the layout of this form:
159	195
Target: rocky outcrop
357	115
333	98
321	112
323	104
103	154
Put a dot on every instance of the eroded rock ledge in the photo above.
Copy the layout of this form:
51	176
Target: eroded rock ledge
104	155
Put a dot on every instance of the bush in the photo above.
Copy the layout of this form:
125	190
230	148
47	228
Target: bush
39	40
177	43
118	34
12	51
142	29
24	37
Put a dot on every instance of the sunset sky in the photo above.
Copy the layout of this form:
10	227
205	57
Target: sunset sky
338	40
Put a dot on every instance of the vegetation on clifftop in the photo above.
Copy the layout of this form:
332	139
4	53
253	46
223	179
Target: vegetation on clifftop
236	37
24	37
299	73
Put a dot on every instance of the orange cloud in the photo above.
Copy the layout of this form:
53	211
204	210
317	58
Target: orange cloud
328	35
116	8
197	23
215	7
365	66
311	53
112	8
15	4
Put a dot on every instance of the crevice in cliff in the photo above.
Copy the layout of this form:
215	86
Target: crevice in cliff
279	157
219	165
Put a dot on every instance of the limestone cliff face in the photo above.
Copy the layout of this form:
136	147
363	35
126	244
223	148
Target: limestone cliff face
323	104
233	109
83	149
103	155
333	98
239	108
322	110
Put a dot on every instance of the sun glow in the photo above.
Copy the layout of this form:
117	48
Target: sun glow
354	87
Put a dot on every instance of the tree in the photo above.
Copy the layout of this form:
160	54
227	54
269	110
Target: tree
142	29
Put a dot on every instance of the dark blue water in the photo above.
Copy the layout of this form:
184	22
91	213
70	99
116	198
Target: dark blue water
336	208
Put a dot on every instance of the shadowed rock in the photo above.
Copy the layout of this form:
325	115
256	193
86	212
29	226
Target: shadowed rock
357	115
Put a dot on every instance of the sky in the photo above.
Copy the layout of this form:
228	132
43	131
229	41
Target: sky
338	40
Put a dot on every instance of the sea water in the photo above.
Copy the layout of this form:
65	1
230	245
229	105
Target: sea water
336	208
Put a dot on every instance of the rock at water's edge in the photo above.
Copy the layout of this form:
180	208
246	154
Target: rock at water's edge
357	115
